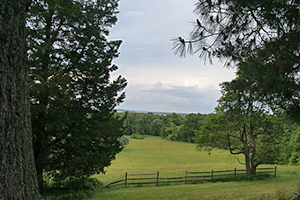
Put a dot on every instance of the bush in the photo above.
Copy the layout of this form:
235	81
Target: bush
78	190
123	140
137	136
67	195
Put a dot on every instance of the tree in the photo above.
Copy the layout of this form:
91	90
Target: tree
156	125
243	126
261	35
173	132
295	146
191	123
73	95
171	124
143	123
18	175
130	123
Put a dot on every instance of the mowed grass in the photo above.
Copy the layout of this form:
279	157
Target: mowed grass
174	158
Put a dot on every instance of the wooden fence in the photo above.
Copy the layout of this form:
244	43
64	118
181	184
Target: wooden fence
188	178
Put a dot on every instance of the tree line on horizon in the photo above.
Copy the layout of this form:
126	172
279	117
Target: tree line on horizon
173	126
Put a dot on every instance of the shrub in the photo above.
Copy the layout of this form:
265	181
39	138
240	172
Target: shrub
78	190
123	141
137	136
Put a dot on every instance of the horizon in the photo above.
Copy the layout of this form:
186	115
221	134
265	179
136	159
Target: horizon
158	80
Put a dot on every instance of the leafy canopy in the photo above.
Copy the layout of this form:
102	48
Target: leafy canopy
242	126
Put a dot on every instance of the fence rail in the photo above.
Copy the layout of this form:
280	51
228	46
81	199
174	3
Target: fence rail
189	177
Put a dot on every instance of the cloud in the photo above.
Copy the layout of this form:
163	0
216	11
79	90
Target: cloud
171	98
157	79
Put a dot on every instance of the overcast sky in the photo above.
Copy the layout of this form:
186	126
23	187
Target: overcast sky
157	79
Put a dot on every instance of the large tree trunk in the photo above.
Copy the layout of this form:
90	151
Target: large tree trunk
17	171
253	166
247	163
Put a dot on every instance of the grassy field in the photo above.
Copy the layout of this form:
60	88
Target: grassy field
173	158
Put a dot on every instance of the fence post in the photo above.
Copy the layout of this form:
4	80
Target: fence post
185	177
157	178
275	171
234	173
212	175
126	179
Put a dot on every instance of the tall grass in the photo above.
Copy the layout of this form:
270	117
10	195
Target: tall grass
173	158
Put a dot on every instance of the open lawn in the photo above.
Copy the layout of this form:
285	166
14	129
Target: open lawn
173	158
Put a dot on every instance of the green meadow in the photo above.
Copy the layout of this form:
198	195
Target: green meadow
172	159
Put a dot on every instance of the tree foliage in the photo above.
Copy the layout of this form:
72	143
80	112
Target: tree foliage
171	126
243	126
190	125
156	127
262	37
72	93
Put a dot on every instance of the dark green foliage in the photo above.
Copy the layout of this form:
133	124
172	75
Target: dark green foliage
211	134
261	37
243	126
295	144
130	123
142	123
79	190
289	143
191	123
258	139
172	132
173	127
156	125
75	129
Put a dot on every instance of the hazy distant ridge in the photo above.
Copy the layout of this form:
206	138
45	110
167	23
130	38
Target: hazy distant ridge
157	113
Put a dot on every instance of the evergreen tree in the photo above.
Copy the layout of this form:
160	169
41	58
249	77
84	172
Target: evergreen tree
72	93
260	35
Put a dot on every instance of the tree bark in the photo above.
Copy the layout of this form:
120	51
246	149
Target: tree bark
17	171
247	163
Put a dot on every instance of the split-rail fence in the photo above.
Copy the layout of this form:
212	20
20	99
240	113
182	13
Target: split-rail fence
189	177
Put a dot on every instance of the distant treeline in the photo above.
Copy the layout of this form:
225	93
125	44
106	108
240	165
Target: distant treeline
177	127
174	126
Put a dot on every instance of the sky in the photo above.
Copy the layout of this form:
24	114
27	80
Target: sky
158	80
